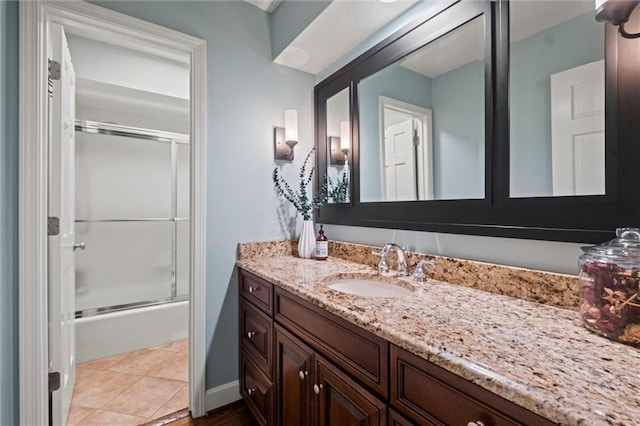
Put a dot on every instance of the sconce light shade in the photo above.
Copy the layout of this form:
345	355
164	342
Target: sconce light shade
617	12
291	126
345	137
285	139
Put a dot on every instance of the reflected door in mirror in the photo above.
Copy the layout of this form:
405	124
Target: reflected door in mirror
407	151
422	122
557	141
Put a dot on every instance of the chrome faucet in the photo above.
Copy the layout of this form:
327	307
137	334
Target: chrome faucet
383	266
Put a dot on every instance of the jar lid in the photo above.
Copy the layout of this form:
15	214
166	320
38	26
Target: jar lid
624	249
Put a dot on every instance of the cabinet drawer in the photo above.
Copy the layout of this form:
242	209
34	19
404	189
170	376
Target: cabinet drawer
256	389
429	395
256	290
397	419
256	335
360	353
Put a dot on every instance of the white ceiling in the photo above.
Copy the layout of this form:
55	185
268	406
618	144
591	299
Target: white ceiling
267	5
338	29
466	44
453	50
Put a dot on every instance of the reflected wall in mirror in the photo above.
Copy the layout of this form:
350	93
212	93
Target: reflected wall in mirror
422	122
338	147
557	138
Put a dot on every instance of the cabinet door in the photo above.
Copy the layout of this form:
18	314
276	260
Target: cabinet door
256	389
293	380
339	400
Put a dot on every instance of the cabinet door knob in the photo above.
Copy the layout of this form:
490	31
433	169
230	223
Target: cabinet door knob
476	423
250	334
303	374
252	289
251	391
317	388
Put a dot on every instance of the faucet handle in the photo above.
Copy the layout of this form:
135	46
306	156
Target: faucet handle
418	273
383	267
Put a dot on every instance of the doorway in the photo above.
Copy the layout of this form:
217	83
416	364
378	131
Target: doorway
42	300
406	150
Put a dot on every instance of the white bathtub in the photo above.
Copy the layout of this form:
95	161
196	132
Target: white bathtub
110	334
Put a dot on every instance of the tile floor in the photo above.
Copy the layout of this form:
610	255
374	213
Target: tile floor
131	388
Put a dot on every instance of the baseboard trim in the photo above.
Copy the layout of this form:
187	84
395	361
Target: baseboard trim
222	395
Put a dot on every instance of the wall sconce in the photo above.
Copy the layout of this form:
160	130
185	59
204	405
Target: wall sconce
286	138
336	158
340	146
345	139
617	12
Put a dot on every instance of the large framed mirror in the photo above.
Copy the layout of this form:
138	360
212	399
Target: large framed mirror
491	118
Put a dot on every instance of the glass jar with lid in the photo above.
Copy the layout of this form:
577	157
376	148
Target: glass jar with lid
610	277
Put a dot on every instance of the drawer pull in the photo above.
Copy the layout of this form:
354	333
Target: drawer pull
252	289
251	391
303	374
476	423
250	334
318	388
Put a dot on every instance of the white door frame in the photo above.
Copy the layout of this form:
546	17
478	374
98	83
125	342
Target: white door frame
35	17
425	160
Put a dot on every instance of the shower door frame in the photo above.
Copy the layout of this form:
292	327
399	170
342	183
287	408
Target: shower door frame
36	17
156	136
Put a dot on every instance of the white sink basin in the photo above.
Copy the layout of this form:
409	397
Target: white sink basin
369	288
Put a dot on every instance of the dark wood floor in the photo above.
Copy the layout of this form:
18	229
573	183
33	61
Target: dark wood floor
236	414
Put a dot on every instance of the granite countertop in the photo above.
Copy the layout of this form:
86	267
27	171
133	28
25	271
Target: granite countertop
537	356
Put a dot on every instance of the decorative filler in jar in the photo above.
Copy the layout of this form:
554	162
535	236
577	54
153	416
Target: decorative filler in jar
610	276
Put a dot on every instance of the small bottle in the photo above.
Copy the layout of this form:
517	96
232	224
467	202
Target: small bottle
322	246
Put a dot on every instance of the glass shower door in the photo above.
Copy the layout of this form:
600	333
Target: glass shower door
126	210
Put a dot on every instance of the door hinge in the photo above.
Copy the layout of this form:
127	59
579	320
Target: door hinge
54	70
53	225
54	381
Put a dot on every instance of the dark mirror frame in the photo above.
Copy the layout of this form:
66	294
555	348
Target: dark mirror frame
587	219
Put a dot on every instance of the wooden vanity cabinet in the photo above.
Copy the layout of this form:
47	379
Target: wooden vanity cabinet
301	365
431	395
293	379
340	400
397	419
255	319
309	390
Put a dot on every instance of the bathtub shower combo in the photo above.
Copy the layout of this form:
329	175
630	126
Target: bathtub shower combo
132	213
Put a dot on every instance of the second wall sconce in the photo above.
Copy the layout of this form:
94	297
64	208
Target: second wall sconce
340	146
345	139
286	138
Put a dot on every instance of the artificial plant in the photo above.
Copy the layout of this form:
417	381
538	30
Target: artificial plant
304	204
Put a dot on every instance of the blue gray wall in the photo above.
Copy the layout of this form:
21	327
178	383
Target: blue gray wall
458	132
246	96
8	212
568	45
394	82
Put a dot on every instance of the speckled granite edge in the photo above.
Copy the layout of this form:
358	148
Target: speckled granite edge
536	286
247	251
535	355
